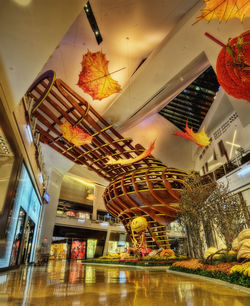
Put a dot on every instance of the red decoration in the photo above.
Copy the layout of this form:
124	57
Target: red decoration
233	67
95	78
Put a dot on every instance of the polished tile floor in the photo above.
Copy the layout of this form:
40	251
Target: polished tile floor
62	283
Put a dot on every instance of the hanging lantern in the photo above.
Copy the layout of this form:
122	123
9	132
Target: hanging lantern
233	67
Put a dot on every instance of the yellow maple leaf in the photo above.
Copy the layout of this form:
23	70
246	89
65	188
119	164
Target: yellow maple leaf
75	135
120	161
225	10
95	78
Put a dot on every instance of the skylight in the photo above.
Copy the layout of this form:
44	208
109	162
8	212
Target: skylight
193	103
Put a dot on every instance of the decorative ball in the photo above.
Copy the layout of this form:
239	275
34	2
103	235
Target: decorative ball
139	224
233	67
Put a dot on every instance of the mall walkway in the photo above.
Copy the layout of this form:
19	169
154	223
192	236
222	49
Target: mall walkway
61	283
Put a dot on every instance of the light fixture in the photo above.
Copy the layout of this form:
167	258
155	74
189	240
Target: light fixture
244	171
29	133
81	220
104	224
40	176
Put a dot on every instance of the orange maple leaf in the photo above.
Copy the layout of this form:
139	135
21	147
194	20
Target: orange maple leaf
225	10
95	78
75	135
144	154
201	138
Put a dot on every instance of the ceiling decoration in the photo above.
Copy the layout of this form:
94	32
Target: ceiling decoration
92	21
144	188
193	103
75	135
223	10
95	79
120	161
201	138
233	66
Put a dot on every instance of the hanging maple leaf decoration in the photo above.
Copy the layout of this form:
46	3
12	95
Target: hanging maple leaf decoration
95	78
75	135
201	138
233	67
225	10
123	162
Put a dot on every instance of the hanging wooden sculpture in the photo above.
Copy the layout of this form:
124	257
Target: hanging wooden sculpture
95	78
223	10
233	66
201	138
145	188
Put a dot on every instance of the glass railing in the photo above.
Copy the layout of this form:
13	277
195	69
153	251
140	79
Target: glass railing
70	214
239	160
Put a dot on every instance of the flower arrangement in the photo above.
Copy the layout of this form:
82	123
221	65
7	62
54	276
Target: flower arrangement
192	264
232	272
241	268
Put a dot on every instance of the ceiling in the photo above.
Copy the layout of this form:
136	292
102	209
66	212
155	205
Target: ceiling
174	53
131	30
192	104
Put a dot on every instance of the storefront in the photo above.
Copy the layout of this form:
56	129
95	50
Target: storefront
23	224
68	248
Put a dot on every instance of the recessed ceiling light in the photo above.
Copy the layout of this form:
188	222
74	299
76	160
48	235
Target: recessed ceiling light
92	21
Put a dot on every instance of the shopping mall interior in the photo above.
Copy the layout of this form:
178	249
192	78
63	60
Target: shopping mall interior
124	152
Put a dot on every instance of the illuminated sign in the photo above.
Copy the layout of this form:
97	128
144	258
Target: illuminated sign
46	197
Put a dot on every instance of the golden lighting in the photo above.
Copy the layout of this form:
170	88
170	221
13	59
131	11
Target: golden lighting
79	180
90	197
22	2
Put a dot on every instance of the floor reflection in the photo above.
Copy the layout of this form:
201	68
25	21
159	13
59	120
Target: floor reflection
71	283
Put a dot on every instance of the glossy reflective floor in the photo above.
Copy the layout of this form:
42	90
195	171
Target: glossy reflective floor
63	283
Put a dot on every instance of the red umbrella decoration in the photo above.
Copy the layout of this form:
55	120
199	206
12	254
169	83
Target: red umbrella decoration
95	78
201	138
75	135
225	9
233	66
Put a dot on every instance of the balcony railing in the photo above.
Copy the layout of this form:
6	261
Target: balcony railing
70	214
241	158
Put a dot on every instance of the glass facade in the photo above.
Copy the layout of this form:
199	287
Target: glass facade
22	234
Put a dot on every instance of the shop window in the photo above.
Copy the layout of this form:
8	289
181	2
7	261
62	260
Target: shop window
18	237
10	164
